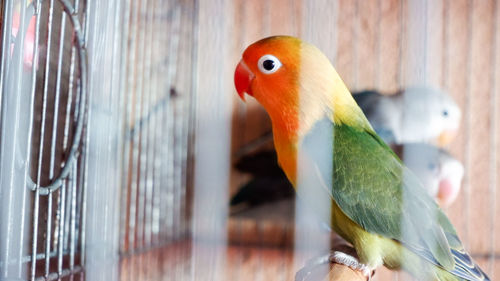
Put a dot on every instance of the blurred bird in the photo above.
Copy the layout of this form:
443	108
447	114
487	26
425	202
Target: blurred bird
417	114
440	173
323	138
268	182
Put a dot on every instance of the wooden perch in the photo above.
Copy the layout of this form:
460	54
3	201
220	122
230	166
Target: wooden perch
343	272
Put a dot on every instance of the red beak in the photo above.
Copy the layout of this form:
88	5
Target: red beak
242	79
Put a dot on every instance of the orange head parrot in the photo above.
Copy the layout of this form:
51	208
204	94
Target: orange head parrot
377	204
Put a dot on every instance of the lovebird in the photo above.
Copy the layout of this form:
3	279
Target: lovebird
440	173
323	138
415	114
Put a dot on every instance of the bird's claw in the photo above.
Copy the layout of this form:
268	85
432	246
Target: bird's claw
351	262
334	257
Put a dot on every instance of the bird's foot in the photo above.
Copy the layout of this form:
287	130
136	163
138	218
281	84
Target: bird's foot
334	257
352	262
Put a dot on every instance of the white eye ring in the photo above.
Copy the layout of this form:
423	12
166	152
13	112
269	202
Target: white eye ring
269	64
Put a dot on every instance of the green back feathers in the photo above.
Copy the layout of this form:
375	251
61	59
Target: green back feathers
375	190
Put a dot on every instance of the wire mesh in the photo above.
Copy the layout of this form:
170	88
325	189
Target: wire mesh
158	100
43	119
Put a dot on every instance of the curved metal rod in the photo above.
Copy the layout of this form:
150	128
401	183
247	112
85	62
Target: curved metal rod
72	156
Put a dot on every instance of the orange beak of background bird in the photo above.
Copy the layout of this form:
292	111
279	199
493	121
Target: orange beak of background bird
446	137
242	79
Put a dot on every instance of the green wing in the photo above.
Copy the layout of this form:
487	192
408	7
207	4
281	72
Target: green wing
374	189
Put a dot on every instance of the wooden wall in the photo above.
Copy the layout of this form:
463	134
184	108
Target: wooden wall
386	45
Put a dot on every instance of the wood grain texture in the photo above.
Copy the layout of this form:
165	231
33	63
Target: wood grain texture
435	42
457	57
494	259
390	47
345	51
343	273
479	143
366	26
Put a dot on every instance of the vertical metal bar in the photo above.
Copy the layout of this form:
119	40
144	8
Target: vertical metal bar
48	234
193	97
176	150
60	213
134	136
468	122
193	115
58	94
212	162
378	43
164	126
145	125
62	221
184	145
84	188
141	224
152	114
7	27
83	159
355	46
16	89
120	46
42	138
84	199
54	138
402	34
34	66
127	105
177	114
493	135
85	172
35	232
172	134
157	187
169	200
117	97
86	22
446	40
426	42
72	181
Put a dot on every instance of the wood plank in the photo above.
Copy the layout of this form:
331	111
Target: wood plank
403	44
435	42
366	61
282	18
318	25
495	131
345	52
456	61
390	48
479	140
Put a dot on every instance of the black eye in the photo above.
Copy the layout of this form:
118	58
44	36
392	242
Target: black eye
268	65
445	113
